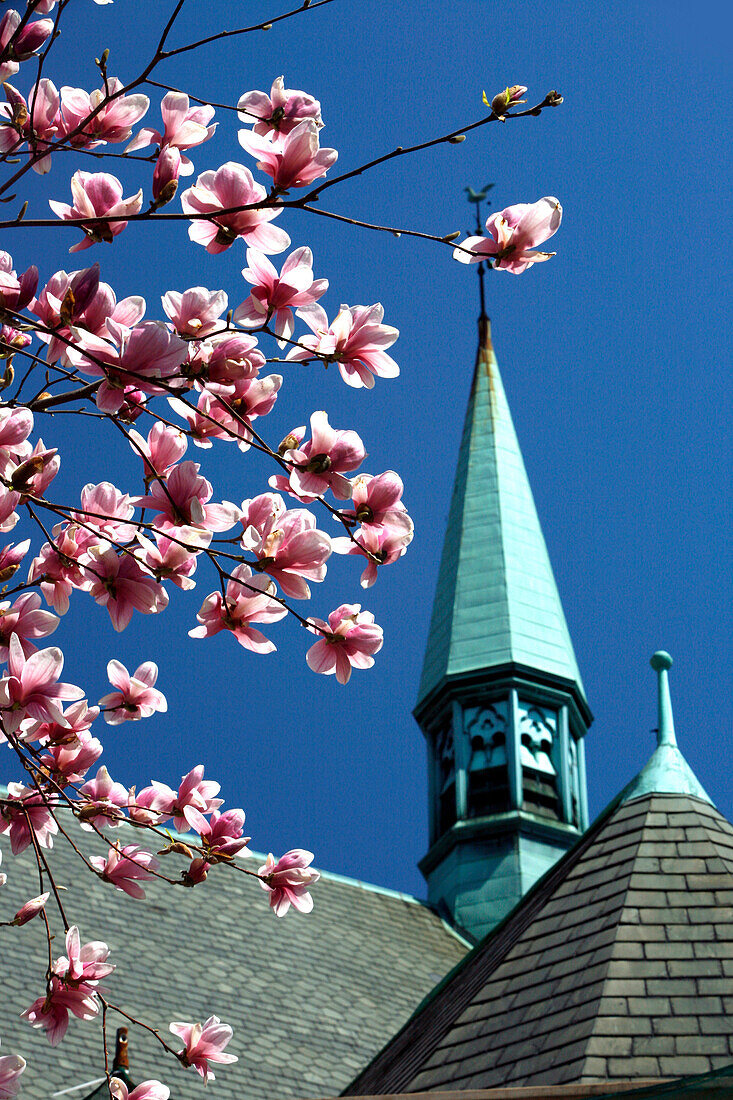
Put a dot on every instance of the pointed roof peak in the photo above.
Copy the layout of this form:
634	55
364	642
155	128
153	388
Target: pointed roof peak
496	602
666	771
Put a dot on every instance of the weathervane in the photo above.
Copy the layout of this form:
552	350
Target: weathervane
477	197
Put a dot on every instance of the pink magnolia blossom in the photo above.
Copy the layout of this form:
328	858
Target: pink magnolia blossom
12	340
28	911
129	356
222	359
248	600
113	122
10	558
294	159
276	296
375	499
223	835
288	880
187	806
280	111
30	688
125	868
24	618
184	127
97	195
11	1067
23	810
356	342
119	584
18	125
184	502
105	799
26	41
228	414
228	188
72	988
32	474
77	721
322	462
136	696
52	1011
513	235
106	510
56	566
147	1090
204	1043
386	543
164	447
196	872
80	299
287	544
16	293
9	501
171	561
69	761
347	641
195	312
83	962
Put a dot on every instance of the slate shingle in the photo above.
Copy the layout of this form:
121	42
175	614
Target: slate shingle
636	956
311	999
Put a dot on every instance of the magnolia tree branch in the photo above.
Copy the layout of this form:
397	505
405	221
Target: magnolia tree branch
197	377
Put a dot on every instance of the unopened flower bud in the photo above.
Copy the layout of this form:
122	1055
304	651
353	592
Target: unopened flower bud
31	38
510	97
165	176
30	910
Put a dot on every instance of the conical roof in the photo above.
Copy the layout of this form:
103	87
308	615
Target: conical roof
617	964
496	601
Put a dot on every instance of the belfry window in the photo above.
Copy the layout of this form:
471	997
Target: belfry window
488	779
538	736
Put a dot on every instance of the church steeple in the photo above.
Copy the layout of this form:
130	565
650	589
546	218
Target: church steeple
501	701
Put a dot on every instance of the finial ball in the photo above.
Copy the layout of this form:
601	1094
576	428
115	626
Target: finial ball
661	660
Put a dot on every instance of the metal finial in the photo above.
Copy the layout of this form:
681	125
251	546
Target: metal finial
477	197
661	662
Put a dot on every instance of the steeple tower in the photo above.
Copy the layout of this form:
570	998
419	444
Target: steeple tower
501	702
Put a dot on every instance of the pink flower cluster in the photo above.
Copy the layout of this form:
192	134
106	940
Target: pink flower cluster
72	988
385	529
285	136
63	116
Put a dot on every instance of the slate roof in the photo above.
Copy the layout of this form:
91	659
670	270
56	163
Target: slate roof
617	965
311	999
496	600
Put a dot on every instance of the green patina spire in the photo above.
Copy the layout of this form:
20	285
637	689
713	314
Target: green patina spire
501	702
496	601
666	771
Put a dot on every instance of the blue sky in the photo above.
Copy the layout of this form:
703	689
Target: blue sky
615	357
